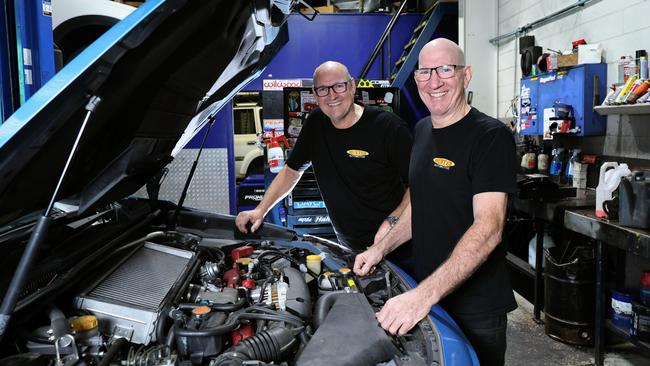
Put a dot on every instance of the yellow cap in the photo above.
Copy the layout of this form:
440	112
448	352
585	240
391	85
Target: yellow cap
314	257
345	271
201	310
84	323
244	261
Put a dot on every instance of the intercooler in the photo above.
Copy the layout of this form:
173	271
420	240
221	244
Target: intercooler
129	301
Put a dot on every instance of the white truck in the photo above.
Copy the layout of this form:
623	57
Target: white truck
249	156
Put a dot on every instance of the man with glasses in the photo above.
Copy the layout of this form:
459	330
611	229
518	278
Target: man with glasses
462	168
360	156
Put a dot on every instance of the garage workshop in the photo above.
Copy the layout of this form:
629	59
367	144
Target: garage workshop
324	182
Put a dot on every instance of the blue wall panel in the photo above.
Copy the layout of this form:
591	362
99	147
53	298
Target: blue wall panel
347	38
35	45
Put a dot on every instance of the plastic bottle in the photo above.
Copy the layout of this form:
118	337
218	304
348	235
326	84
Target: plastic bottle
630	69
556	164
542	163
622	63
575	155
608	181
644	291
276	157
532	245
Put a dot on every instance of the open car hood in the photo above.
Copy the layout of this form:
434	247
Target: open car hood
160	73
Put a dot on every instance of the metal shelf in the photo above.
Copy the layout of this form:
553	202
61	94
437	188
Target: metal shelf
643	346
643	108
521	265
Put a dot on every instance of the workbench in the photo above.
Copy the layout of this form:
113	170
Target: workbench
607	232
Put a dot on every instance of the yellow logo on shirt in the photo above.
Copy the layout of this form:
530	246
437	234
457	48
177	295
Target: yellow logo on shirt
357	153
443	163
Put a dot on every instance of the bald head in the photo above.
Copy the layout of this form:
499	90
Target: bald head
443	46
331	68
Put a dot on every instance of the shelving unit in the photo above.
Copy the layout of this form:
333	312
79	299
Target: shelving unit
607	232
623	333
623	109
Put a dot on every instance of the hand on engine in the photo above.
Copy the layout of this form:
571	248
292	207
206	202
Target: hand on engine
403	312
365	262
255	217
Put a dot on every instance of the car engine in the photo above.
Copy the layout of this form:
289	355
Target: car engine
173	298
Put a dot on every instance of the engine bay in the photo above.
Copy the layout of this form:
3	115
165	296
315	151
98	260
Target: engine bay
177	298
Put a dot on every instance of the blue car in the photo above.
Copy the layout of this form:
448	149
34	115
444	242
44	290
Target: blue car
94	275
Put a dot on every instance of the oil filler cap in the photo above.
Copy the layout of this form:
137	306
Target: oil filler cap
84	323
200	311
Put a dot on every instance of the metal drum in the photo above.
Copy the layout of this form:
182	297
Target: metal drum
569	288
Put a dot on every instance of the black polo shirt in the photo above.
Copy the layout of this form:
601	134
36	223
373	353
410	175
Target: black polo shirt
448	167
361	171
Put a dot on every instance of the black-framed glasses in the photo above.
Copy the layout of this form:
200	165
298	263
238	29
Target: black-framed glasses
338	88
443	71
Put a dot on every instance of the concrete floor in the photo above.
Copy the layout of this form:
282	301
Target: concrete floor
528	345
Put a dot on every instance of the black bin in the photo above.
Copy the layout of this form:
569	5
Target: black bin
569	295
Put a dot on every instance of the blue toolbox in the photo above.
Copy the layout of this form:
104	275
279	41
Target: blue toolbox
562	102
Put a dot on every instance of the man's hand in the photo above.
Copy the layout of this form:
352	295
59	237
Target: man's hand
255	217
402	312
364	262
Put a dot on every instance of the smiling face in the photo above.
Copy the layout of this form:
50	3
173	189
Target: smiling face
339	107
445	98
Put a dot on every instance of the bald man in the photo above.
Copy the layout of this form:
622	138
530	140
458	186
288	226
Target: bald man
462	169
360	157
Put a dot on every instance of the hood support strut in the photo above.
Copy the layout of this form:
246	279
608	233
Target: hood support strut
38	234
174	218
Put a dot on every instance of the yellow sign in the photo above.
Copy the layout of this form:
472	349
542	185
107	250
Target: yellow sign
365	84
357	153
443	163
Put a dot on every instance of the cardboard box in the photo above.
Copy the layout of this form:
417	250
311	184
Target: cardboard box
324	9
567	60
590	53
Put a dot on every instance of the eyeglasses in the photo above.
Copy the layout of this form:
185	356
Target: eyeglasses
443	72
338	88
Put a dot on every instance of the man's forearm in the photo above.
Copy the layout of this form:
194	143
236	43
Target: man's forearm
399	234
279	188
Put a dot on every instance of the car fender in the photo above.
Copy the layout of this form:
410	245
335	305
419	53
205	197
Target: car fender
456	348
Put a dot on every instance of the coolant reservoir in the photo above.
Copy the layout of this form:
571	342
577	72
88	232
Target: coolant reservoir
314	265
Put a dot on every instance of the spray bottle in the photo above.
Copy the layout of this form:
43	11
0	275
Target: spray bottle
275	152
